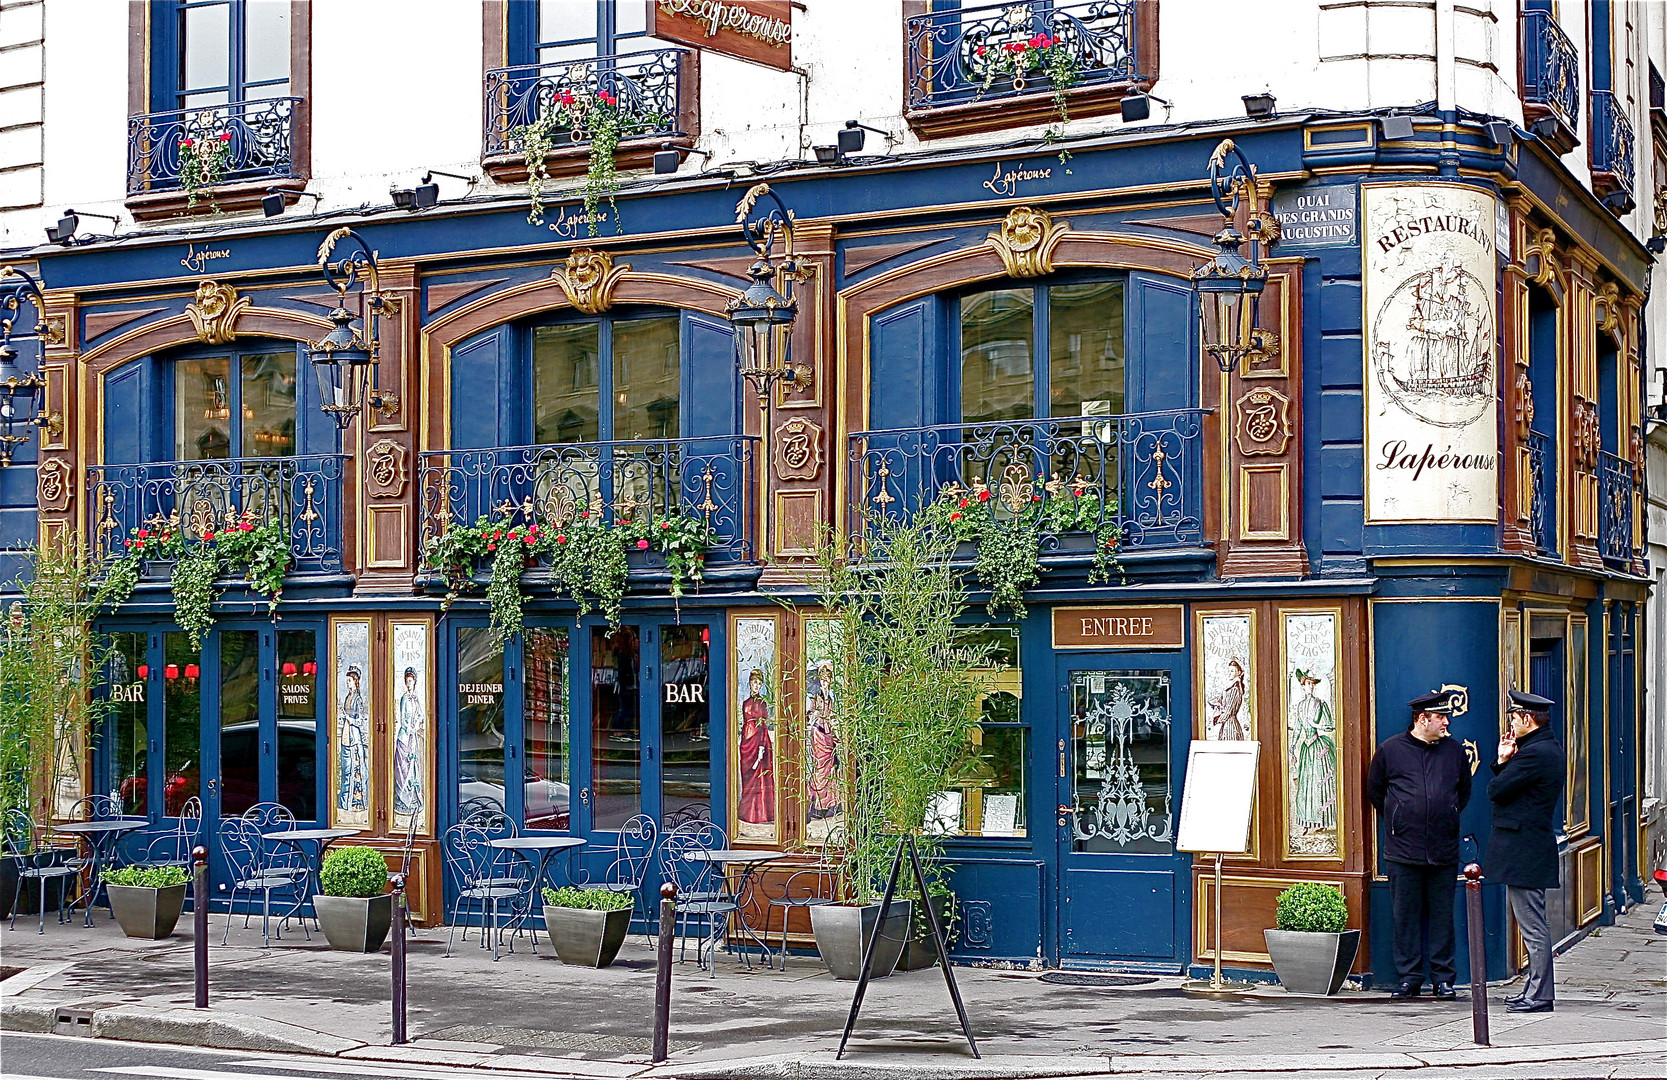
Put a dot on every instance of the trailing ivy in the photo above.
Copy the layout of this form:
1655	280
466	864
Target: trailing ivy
203	162
599	119
192	584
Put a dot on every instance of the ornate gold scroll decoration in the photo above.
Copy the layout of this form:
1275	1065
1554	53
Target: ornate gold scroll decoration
1539	258
215	312
1026	241
589	279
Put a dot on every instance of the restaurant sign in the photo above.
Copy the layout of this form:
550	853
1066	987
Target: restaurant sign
759	31
1143	627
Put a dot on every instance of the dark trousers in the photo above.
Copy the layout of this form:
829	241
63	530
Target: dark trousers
1421	901
1528	909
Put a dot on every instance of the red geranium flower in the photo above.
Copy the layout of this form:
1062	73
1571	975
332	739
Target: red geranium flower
144	534
225	136
979	51
561	539
188	143
665	524
642	545
955	516
963	504
606	98
208	534
491	547
584	513
983	496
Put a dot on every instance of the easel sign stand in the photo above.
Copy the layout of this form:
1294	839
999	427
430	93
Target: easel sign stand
1216	807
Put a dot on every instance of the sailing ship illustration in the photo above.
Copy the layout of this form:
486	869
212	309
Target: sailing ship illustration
1450	351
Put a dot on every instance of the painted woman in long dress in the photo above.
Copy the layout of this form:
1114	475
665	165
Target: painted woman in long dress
758	756
353	746
822	786
1227	726
1313	734
408	753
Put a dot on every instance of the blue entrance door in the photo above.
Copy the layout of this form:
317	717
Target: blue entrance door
1123	890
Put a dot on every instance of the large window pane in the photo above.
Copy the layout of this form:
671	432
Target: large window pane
615	724
1085	349
565	384
124	683
545	791
986	794
240	737
1577	811
685	723
203	409
480	722
568	20
997	374
1120	800
205	56
646	379
266	45
298	722
182	722
268	410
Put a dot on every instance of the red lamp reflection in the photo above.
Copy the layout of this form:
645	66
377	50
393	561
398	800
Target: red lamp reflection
309	669
192	671
289	670
144	670
171	672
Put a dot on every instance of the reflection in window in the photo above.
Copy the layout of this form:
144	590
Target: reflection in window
480	722
606	380
685	723
578	29
615	724
240	735
1045	351
566	384
1120	749
1577	808
125	672
233	50
298	722
545	789
182	722
219	414
986	796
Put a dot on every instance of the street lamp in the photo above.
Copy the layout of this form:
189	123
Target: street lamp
1229	286
344	359
21	395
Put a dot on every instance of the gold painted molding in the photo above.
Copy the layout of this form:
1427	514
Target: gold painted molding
215	312
1026	241
589	279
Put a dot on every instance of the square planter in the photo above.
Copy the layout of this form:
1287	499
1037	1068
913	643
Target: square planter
842	932
144	912
355	923
1310	963
921	950
586	938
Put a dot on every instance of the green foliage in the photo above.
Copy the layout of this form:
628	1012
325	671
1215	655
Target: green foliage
1311	907
354	871
909	687
47	654
203	161
602	120
587	899
1040	52
192	584
257	551
147	877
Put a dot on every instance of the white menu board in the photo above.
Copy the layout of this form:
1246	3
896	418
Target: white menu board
1218	796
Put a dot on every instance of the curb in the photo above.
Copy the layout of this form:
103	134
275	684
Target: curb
188	1027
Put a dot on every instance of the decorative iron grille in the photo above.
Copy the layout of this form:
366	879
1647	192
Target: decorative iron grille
261	144
1612	138
709	479
1542	477
1550	66
304	493
1615	490
951	52
647	87
1146	469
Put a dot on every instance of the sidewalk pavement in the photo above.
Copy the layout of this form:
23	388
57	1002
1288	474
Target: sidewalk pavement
533	1013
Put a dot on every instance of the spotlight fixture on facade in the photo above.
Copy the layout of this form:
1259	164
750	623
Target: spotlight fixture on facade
1258	106
1137	107
1499	132
829	155
64	232
1229	286
427	193
1395	128
854	134
345	359
669	157
276	199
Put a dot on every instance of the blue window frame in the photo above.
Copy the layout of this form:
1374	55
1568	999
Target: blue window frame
549	31
218	52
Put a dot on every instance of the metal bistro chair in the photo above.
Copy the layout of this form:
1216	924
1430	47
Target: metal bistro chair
479	874
256	869
811	887
270	816
36	862
95	808
701	893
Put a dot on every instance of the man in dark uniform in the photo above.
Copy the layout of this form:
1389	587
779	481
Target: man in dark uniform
1526	789
1419	782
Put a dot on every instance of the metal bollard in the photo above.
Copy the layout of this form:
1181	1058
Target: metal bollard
398	929
662	971
199	922
1478	954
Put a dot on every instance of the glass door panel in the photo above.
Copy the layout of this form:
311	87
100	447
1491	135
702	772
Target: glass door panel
616	725
1120	790
545	732
685	723
297	781
125	673
480	722
181	722
240	735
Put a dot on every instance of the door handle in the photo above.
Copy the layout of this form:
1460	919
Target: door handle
1062	759
266	748
1067	809
584	795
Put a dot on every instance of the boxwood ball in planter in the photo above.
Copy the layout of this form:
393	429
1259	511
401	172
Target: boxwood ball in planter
146	900
1311	949
356	908
587	926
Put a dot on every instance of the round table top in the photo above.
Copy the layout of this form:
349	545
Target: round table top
537	843
732	855
310	834
106	825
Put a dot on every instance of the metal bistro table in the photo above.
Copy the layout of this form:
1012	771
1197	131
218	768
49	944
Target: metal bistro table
749	860
101	838
546	848
295	838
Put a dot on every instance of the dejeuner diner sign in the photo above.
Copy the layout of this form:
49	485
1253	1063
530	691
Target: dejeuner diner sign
757	30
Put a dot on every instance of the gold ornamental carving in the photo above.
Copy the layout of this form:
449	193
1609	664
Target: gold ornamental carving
386	469
1539	258
1607	308
54	329
215	312
1523	401
52	487
589	279
1262	422
798	450
1027	241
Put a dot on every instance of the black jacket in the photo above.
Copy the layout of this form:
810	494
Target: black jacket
1525	793
1419	788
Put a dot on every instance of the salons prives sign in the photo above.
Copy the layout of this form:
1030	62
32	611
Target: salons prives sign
1431	353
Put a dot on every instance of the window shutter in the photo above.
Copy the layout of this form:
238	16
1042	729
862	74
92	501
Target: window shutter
485	401
135	410
1162	349
710	391
905	371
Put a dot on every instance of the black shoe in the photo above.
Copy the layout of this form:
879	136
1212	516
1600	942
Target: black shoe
1530	1006
1408	988
1444	991
1515	999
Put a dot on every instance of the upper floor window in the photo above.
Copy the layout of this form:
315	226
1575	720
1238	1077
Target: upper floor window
234	405
1042	351
551	31
219	52
606	380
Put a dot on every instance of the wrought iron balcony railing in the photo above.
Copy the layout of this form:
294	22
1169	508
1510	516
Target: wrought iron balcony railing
1550	67
1615	491
647	88
261	143
709	479
304	493
1146	470
1542	475
953	55
1612	139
